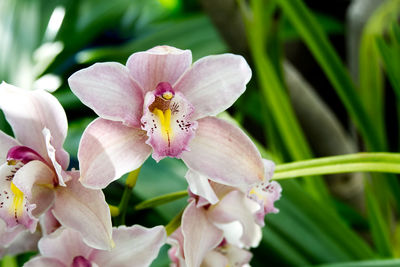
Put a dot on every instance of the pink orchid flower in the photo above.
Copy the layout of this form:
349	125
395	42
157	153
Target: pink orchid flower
161	103
33	176
223	255
134	246
236	217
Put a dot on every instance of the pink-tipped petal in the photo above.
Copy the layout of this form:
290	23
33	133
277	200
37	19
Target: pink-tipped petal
44	261
200	186
159	64
108	150
222	152
86	211
28	113
231	210
109	90
15	209
64	245
200	235
6	142
134	246
172	140
214	83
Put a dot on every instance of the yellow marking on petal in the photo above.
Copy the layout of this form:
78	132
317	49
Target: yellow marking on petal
253	191
165	121
18	200
167	95
11	162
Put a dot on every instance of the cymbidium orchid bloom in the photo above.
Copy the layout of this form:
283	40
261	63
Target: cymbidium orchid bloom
33	176
134	246
161	103
235	220
223	255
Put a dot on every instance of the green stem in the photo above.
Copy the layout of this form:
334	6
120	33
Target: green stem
160	200
174	223
358	162
126	195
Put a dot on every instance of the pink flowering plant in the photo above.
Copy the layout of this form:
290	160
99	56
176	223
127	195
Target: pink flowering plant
181	149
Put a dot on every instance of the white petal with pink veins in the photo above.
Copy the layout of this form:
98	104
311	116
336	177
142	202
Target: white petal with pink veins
108	150
28	113
214	83
110	91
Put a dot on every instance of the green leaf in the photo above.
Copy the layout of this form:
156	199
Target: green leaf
372	263
318	43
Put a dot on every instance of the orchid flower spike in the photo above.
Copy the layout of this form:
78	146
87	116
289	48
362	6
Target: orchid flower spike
33	176
134	246
160	103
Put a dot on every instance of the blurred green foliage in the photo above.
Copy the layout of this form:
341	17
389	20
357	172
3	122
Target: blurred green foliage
52	39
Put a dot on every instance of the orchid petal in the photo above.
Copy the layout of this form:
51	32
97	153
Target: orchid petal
109	90
86	211
34	172
222	152
108	150
214	83
231	209
176	253
44	261
35	180
48	223
269	167
169	131
51	152
159	64
29	112
265	194
200	186
15	208
8	236
64	244
215	259
134	246
198	242
24	241
6	142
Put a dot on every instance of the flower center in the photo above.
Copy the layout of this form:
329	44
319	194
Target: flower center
161	108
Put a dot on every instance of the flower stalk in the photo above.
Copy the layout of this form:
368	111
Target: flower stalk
126	195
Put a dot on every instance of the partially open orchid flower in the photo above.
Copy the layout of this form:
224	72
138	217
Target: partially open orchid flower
134	246
160	103
223	255
33	176
34	162
234	217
